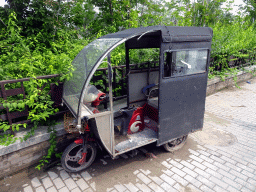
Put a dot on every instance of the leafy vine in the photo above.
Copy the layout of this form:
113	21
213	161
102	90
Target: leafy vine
52	149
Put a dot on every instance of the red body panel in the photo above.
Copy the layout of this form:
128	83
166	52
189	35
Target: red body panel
137	117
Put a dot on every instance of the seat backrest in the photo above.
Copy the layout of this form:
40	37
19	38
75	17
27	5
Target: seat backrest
137	81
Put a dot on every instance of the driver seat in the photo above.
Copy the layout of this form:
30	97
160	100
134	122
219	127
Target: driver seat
152	97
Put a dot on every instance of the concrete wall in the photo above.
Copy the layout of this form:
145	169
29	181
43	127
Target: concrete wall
217	84
18	156
31	151
22	158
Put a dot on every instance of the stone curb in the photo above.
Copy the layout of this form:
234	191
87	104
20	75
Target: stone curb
41	135
217	84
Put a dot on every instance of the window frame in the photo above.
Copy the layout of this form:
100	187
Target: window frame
176	50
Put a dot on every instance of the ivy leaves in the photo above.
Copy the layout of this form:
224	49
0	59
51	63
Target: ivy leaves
33	56
52	149
236	40
15	127
7	139
13	106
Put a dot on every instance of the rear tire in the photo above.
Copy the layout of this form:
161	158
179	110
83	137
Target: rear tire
73	153
175	144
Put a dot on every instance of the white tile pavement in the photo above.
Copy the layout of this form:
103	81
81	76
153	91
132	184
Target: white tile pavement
47	182
35	182
40	189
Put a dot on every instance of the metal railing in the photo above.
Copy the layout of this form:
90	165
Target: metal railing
119	81
4	93
119	85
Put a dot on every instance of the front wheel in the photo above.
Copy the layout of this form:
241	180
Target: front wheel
73	154
175	144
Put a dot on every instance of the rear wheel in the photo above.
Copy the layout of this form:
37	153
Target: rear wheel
175	144
74	153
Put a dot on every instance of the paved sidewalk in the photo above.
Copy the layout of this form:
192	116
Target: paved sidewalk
222	157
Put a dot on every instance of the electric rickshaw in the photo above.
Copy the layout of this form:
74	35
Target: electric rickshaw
162	104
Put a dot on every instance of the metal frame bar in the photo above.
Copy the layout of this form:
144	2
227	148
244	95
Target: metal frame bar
5	98
27	79
127	59
90	77
99	114
110	79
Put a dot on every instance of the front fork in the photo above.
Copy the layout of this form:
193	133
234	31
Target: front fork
82	140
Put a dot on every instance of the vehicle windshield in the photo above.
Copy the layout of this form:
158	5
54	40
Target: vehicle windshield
83	65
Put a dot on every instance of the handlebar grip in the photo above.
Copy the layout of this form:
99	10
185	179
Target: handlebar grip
102	97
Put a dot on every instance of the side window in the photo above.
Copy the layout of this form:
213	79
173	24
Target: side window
179	63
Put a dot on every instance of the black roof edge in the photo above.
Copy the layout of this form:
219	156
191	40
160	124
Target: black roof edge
169	33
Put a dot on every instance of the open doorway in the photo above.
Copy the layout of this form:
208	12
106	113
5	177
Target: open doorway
136	114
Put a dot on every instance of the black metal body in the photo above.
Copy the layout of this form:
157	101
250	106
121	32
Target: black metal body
181	106
181	100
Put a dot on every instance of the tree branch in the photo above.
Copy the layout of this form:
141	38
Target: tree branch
3	22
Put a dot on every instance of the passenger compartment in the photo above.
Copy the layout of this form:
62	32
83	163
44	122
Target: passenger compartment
147	102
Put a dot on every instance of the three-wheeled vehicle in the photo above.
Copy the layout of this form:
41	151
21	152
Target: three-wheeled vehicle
163	103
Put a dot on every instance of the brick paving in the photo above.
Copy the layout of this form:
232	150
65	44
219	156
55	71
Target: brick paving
225	166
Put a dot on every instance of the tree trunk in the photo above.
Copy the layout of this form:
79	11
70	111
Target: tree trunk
111	10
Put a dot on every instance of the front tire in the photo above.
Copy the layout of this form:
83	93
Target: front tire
175	144
73	153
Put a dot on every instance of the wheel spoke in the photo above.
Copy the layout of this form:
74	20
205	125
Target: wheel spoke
72	158
175	144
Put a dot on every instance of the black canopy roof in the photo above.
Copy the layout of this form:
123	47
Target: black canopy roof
167	33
